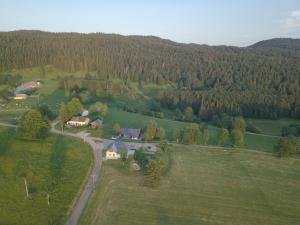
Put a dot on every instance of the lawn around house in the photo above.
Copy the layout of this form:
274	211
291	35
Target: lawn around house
203	186
15	207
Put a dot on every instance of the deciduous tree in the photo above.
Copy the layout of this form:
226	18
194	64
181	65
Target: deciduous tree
223	137
151	130
74	107
63	115
288	146
116	128
100	108
238	123
153	173
33	126
237	138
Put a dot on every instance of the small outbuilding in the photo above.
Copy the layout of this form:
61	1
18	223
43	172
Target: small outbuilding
96	123
84	112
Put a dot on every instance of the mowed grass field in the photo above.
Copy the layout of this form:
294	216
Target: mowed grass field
203	186
273	127
15	208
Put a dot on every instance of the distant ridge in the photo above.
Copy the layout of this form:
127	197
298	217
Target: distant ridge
279	43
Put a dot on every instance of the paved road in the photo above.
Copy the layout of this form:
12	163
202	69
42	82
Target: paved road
90	186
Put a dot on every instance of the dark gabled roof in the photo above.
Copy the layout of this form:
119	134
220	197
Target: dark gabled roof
27	86
97	122
128	132
117	146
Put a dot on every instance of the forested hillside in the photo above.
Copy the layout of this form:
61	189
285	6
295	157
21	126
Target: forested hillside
279	43
254	82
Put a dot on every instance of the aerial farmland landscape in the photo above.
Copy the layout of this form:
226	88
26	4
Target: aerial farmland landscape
150	113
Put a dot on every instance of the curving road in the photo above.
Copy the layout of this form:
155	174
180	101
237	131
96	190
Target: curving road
90	186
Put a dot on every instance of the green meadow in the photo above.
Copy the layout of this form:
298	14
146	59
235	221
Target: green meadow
202	186
15	207
272	127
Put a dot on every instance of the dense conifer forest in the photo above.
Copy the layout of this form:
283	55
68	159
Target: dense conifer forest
261	81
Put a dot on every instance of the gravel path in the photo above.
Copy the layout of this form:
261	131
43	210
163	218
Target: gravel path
90	186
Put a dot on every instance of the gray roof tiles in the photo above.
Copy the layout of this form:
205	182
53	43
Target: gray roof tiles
131	133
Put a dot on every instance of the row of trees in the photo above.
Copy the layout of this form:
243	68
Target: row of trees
154	132
193	134
233	131
234	134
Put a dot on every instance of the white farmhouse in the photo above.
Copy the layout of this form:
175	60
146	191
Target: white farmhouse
112	152
114	149
78	121
20	97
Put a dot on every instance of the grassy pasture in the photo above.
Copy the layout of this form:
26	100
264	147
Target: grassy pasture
261	143
203	186
272	127
15	208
